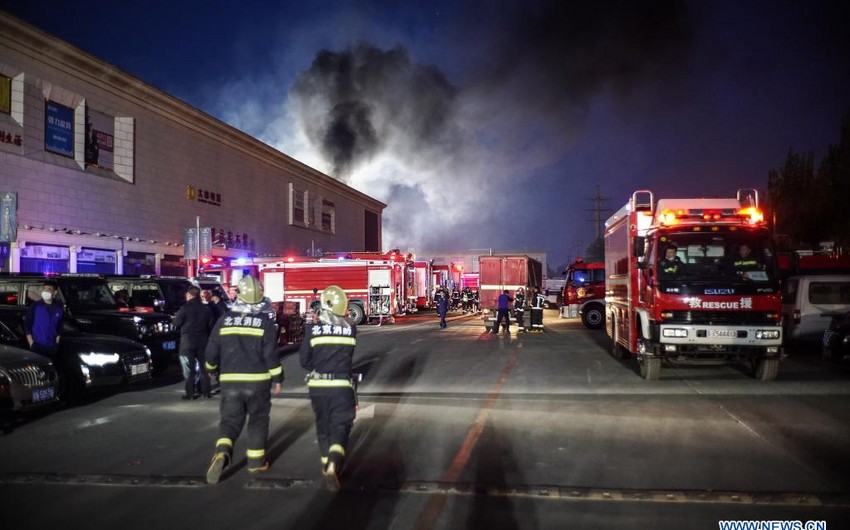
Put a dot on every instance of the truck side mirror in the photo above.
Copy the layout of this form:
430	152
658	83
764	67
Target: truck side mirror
638	244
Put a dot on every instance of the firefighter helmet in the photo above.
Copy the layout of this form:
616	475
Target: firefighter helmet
250	290
335	299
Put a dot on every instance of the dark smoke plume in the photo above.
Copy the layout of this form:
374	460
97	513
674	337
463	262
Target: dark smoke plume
350	102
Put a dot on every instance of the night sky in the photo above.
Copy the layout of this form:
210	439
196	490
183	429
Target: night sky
490	124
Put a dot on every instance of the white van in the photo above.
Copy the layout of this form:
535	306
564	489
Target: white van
809	301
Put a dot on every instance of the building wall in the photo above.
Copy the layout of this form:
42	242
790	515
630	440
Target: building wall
166	155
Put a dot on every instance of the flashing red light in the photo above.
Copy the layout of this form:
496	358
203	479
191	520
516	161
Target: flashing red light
290	259
205	260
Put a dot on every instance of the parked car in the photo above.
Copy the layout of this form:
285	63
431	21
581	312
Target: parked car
810	301
836	339
91	308
27	380
85	360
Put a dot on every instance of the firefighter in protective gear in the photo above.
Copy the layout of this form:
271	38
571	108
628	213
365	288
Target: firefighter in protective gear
746	262
519	309
326	352
538	302
242	349
670	264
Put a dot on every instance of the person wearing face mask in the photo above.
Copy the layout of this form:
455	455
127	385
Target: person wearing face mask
43	323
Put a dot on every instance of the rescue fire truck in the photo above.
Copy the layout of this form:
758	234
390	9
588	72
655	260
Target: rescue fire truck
715	306
584	293
373	282
504	273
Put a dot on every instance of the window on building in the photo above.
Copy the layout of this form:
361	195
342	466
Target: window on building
328	216
297	202
5	94
372	240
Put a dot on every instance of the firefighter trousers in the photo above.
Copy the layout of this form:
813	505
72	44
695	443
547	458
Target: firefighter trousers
238	402
537	319
334	408
519	316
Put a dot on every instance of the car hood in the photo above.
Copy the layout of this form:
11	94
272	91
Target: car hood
10	354
87	342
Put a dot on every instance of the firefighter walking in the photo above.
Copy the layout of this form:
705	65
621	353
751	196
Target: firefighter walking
326	353
242	348
538	301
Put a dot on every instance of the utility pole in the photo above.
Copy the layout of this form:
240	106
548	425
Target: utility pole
598	211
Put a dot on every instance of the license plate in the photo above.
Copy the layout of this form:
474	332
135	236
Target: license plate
723	333
169	345
42	394
137	369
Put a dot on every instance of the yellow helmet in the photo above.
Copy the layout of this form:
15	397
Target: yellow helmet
250	290
335	299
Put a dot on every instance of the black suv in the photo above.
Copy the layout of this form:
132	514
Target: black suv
85	361
166	294
91	307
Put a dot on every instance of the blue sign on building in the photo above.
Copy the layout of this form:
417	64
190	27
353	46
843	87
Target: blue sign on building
59	128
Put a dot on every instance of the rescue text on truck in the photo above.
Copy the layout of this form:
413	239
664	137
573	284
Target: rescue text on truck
693	281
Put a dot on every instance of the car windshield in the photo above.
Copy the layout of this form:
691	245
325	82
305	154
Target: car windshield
87	294
145	293
175	292
717	256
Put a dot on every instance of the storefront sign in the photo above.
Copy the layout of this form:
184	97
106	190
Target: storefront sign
203	195
5	94
96	256
8	216
58	128
45	252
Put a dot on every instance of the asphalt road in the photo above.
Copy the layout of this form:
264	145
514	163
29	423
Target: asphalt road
459	429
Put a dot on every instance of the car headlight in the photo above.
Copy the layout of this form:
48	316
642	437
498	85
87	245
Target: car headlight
767	334
148	352
674	332
99	359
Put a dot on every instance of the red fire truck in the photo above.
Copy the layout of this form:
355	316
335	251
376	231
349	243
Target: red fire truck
374	282
584	293
419	288
504	273
718	306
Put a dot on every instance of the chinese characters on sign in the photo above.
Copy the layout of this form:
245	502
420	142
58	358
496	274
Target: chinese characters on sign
9	138
58	128
202	195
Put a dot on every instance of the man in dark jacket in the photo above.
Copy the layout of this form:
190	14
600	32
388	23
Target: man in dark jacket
326	352
217	304
519	310
243	349
442	300
195	321
43	323
503	309
538	302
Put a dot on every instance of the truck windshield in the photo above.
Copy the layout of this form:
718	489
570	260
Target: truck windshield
586	276
81	294
717	256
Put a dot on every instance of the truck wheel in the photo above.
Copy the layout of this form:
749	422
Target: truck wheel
617	351
650	367
592	317
767	369
356	313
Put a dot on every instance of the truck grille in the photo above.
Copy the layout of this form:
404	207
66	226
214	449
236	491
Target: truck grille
33	375
721	317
